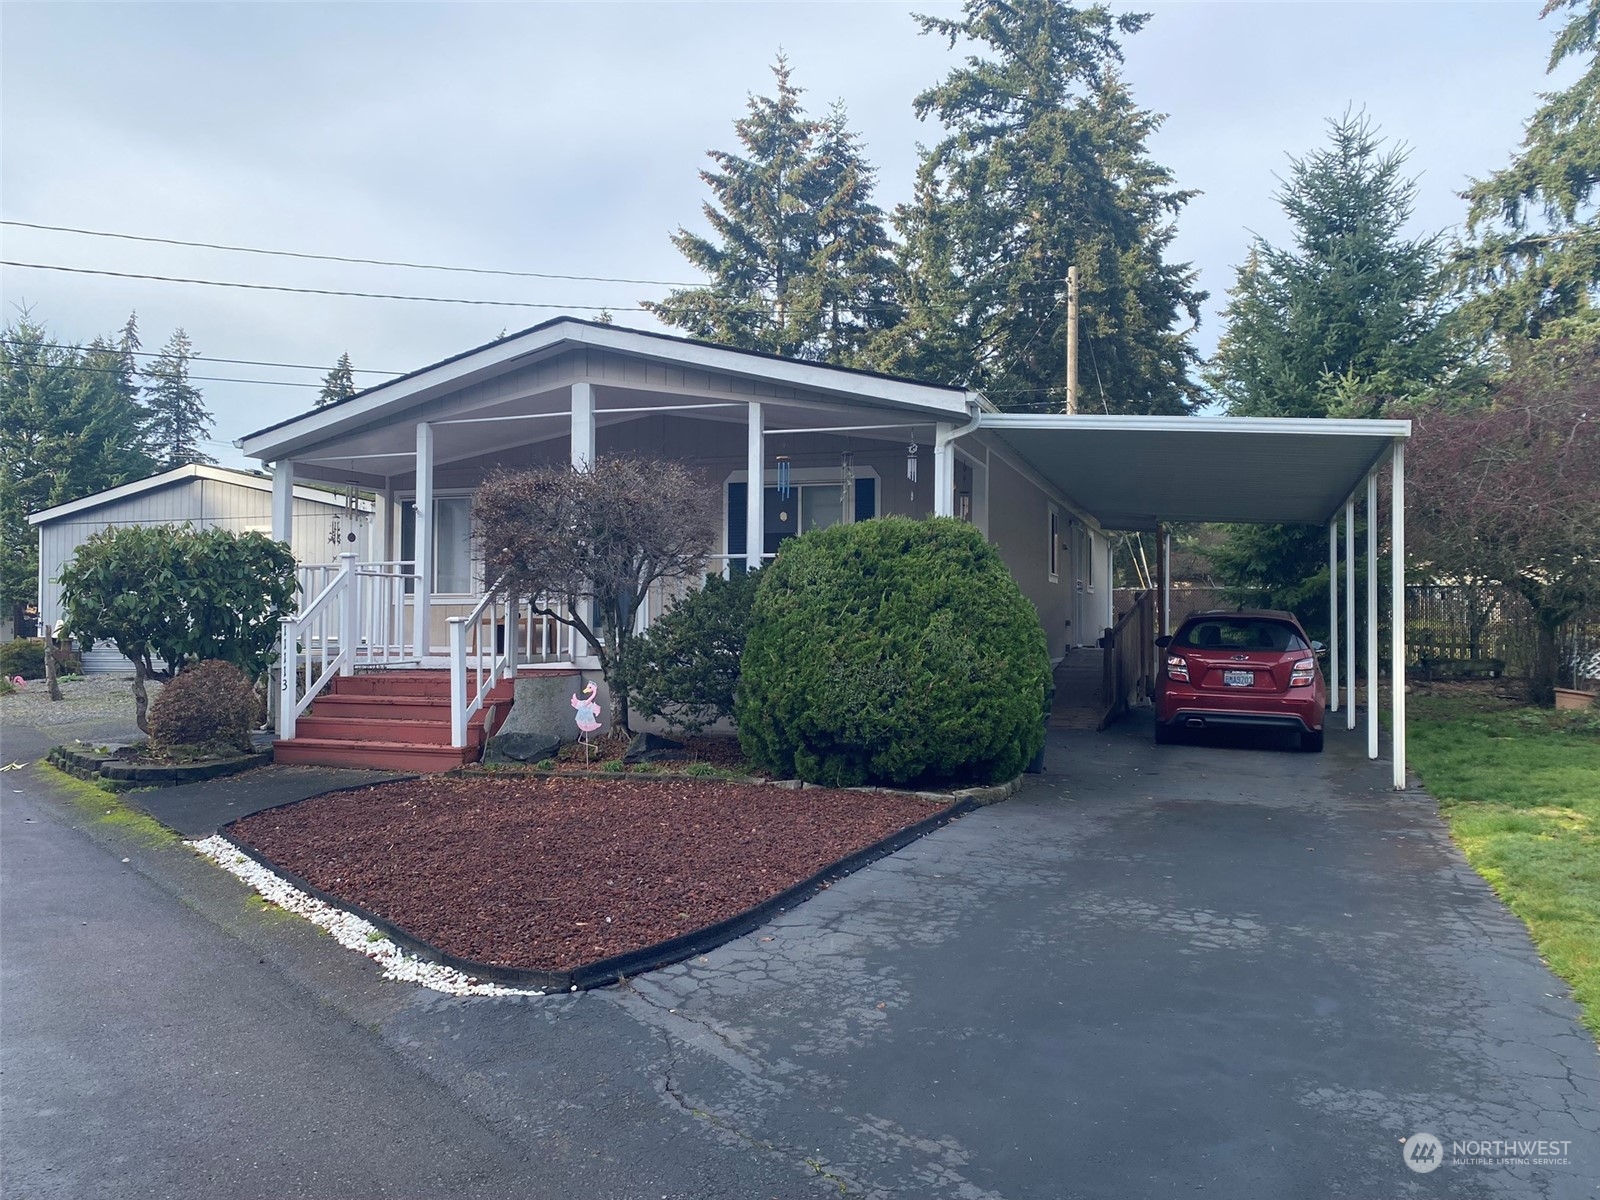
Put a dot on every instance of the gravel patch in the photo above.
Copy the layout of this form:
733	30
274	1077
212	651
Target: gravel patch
91	699
347	929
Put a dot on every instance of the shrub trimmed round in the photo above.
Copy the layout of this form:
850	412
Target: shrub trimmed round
209	705
892	652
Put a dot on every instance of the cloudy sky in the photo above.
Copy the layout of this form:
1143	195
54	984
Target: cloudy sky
565	139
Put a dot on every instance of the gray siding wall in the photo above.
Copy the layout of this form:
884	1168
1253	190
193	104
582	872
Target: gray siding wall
203	502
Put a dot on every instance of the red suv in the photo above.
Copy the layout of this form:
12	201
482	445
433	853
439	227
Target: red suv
1241	668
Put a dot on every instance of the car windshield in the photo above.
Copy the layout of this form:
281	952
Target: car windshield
1239	633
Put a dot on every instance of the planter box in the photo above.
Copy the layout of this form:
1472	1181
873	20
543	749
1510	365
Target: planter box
1569	698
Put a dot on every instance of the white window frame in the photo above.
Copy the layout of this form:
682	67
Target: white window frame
476	564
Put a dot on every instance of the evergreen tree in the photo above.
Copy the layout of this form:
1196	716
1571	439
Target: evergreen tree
1531	264
1043	166
1344	322
339	383
73	427
798	261
177	418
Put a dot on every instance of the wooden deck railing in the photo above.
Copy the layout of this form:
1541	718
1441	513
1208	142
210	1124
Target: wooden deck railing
1129	662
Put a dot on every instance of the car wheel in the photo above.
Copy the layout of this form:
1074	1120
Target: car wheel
1165	734
1311	743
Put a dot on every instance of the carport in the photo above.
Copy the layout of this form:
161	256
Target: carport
1142	473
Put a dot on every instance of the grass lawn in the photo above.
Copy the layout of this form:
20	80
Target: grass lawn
1520	789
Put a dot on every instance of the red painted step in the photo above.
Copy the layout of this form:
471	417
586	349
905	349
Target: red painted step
395	720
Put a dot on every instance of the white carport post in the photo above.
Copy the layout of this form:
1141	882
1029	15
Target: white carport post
283	502
1372	614
1333	614
1166	581
1397	608
944	470
1350	612
422	592
755	519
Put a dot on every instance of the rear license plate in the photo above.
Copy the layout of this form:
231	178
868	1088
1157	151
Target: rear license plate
1239	678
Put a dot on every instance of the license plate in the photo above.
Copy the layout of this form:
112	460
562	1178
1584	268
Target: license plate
1239	678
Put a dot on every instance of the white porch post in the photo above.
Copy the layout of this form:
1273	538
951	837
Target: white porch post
1333	614
944	471
1166	581
422	593
582	425
283	502
1350	612
1372	615
1397	609
755	518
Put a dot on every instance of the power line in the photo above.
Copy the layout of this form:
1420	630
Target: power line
278	287
239	362
299	383
341	258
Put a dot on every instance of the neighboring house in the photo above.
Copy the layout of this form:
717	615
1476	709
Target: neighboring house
203	496
1045	489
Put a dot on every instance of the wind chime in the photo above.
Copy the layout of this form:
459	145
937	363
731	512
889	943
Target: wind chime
911	469
847	477
351	514
783	477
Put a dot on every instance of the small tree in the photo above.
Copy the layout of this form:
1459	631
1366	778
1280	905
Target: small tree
1511	492
587	546
339	383
170	595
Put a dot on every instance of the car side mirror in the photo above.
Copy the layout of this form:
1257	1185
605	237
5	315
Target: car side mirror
1318	648
1164	641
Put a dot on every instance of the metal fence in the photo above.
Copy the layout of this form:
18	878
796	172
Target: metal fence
1448	624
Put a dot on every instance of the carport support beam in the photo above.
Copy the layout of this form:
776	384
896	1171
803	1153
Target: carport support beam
1350	611
1372	615
755	521
283	503
1166	581
1397	609
1333	614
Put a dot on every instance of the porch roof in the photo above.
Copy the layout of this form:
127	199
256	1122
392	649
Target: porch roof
1135	472
357	425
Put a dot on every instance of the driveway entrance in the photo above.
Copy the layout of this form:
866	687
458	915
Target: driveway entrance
1224	970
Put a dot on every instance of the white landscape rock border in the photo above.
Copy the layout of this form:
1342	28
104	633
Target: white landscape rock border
349	930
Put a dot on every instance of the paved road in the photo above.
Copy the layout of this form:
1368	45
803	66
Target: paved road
1194	970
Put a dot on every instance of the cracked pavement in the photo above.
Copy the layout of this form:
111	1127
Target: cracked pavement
1222	968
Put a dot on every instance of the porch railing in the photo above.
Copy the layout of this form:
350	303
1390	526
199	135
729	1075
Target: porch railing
483	652
357	617
1129	662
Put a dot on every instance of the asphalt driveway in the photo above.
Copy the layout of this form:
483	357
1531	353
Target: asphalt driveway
1187	970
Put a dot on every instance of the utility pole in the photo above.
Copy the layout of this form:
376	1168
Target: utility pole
1072	340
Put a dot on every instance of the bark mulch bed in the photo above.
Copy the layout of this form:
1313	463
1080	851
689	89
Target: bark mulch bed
552	874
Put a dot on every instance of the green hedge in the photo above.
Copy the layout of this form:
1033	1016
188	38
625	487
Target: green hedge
895	652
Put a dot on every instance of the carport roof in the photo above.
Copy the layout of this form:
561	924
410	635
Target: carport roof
1136	472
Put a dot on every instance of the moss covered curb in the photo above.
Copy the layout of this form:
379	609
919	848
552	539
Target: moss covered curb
114	775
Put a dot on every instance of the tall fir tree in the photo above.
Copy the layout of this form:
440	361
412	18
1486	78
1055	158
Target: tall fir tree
1044	166
339	383
799	259
1345	322
73	427
177	420
1530	263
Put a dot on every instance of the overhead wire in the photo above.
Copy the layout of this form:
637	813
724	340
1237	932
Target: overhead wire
241	362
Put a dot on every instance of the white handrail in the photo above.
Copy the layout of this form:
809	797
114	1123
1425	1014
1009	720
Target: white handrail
308	635
501	659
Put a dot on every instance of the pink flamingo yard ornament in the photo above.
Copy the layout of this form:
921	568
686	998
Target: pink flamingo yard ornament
587	716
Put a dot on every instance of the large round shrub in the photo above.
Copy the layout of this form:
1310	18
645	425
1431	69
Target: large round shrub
210	705
892	651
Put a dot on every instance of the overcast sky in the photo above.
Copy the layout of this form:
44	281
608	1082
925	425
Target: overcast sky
566	139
